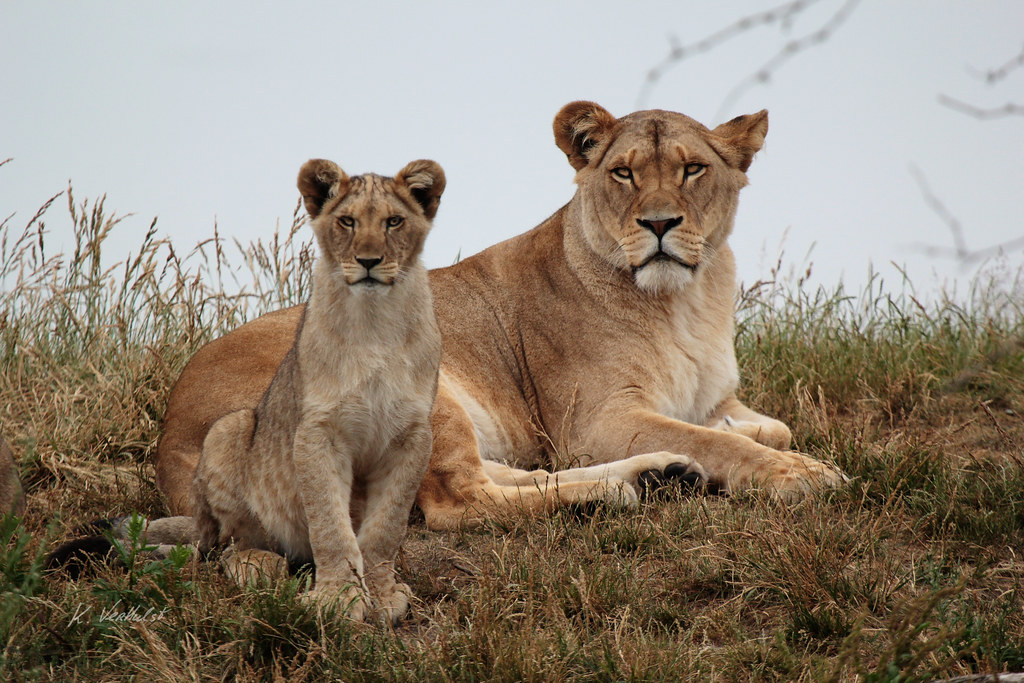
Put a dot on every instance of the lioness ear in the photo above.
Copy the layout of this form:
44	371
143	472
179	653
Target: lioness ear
737	141
320	180
425	180
579	127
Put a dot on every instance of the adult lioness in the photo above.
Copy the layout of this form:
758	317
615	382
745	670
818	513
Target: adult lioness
326	466
606	331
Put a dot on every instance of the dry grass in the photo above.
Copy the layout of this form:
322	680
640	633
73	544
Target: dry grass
911	572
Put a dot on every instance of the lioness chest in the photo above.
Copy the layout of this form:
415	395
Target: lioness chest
698	361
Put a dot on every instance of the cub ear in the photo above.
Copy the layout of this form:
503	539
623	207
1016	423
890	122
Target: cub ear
425	181
320	180
738	140
579	128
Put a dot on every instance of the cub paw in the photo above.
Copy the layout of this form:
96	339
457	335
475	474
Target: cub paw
348	599
770	433
393	603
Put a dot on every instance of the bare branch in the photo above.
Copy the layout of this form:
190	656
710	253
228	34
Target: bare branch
1008	109
999	73
782	14
971	257
991	76
788	52
936	205
959	251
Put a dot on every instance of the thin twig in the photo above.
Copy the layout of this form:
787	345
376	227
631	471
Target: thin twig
960	250
971	257
1008	109
469	571
677	53
788	52
991	76
1001	72
936	205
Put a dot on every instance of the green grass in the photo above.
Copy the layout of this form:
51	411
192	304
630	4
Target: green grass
911	572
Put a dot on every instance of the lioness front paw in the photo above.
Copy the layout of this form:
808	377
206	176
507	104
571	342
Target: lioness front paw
651	472
770	433
792	476
348	598
617	494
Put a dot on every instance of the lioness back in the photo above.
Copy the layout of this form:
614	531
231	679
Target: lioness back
339	442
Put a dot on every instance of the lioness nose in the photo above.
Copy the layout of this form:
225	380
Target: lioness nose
660	227
368	263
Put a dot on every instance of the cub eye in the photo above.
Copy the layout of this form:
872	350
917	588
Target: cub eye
394	221
622	173
692	170
346	221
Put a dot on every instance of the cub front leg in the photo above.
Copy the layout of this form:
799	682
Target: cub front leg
390	492
732	416
324	476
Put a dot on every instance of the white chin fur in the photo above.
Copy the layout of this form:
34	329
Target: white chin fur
369	287
663	277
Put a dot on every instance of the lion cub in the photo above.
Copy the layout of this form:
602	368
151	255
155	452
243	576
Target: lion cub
327	466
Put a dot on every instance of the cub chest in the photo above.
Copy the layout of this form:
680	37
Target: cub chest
368	400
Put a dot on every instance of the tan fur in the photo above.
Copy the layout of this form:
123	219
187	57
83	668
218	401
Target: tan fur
579	337
327	465
12	497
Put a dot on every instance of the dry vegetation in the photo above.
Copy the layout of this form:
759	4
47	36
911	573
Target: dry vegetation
912	572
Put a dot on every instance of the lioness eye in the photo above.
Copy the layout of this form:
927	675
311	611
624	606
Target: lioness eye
622	172
394	221
347	221
692	170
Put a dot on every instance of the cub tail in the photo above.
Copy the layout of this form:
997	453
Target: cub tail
96	542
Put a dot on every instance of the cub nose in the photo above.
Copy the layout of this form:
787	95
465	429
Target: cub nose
368	263
660	227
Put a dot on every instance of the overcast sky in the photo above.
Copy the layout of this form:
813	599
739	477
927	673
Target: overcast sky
197	111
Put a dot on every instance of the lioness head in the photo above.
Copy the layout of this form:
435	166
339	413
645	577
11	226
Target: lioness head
658	189
370	226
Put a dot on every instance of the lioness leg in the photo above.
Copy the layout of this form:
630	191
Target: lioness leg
457	491
733	416
732	462
639	471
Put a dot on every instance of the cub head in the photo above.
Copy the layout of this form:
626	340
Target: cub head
658	190
371	227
